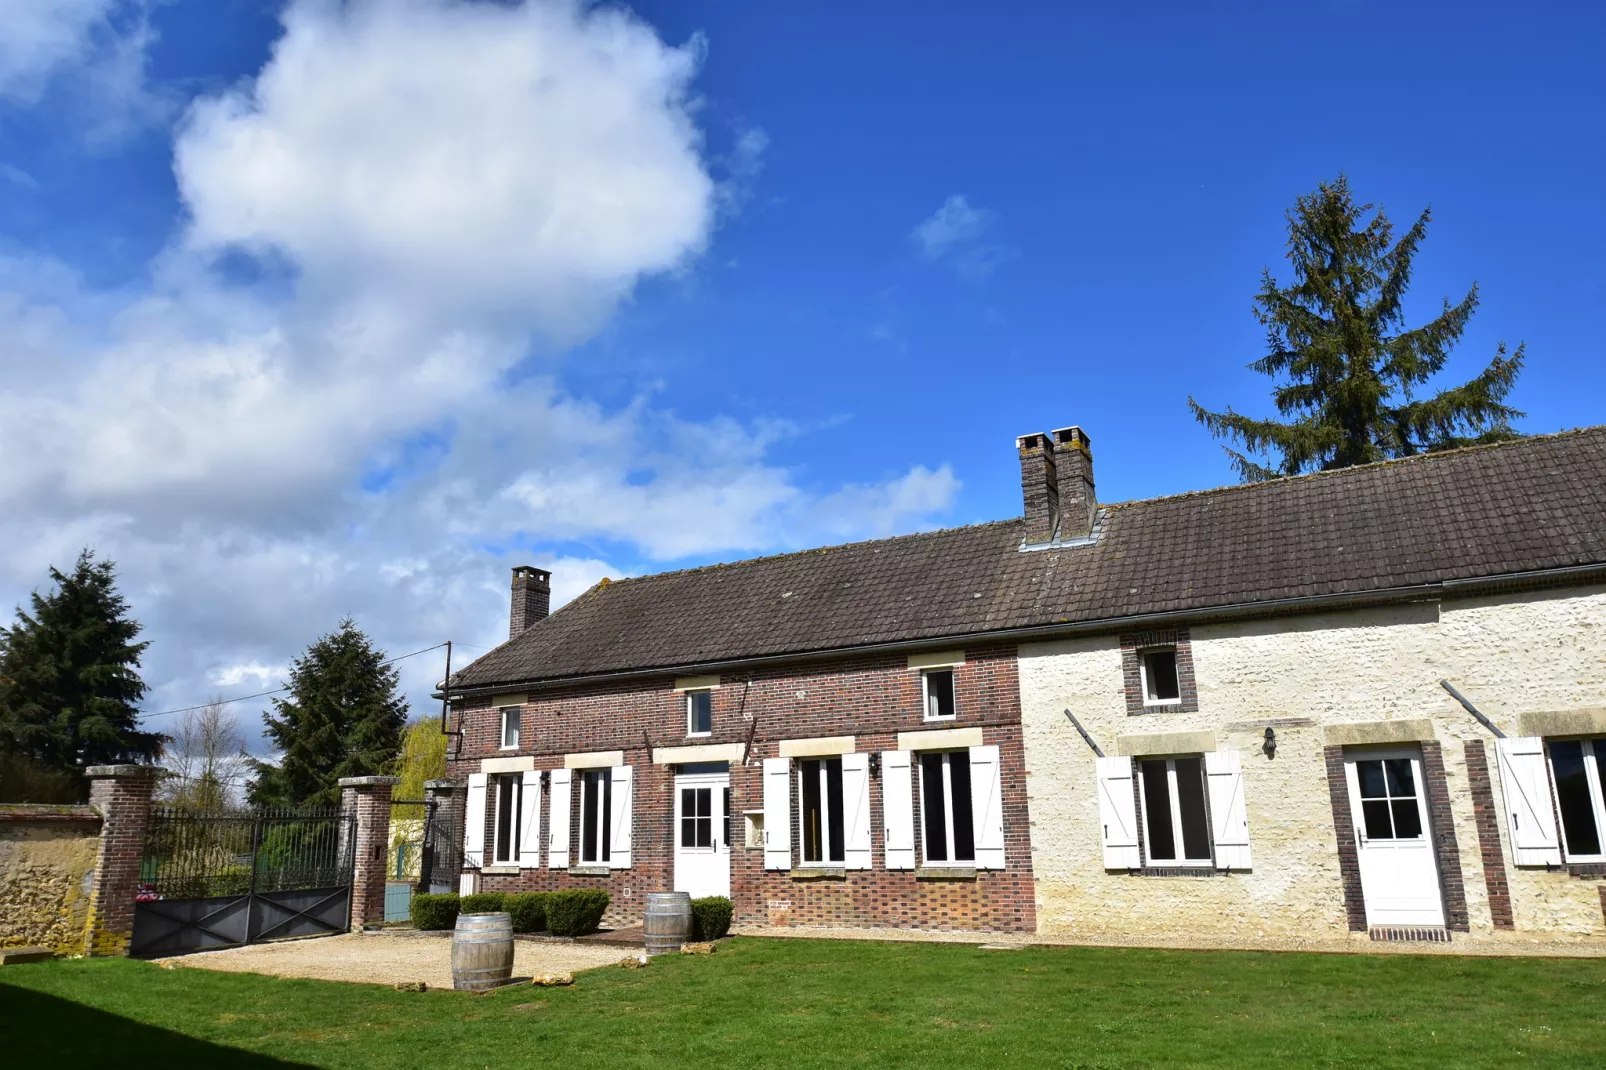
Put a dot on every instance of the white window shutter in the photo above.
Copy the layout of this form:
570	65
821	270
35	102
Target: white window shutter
620	816
557	855
1118	813
467	883
1525	782
856	807
898	809
474	822
1229	816
777	813
987	806
530	821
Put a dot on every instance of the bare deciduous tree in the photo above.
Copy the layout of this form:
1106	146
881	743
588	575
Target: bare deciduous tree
206	758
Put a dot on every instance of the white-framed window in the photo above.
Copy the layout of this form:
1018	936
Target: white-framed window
509	811
1575	767
1176	825
937	688
596	813
511	715
820	811
699	713
947	823
1160	682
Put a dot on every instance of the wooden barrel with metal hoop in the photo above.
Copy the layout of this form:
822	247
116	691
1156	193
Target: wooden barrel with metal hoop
668	921
482	952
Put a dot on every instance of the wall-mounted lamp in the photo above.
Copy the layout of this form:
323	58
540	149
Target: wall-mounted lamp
1270	746
546	778
875	764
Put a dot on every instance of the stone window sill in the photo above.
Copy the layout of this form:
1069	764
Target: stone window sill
590	871
945	873
500	871
819	873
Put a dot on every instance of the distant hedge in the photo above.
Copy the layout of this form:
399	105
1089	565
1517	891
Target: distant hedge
575	912
435	911
711	917
528	910
484	903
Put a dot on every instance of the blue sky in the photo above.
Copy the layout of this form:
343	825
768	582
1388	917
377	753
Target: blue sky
435	288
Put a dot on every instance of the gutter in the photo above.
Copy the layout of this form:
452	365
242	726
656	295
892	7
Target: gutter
1424	592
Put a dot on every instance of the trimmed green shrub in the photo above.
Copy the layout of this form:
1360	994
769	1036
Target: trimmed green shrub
484	903
710	917
528	910
435	911
576	911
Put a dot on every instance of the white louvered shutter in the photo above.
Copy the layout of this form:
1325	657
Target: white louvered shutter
1526	785
619	817
987	806
530	821
856	810
1118	813
557	855
1229	816
474	822
777	813
898	809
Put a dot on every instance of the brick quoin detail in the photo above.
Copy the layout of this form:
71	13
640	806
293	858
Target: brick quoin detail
1132	644
1444	845
1349	864
122	795
870	697
1487	820
368	797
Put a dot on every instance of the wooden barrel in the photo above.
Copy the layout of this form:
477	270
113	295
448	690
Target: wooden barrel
482	952
668	921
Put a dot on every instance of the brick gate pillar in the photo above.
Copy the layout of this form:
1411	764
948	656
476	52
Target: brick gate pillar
369	798
122	795
450	799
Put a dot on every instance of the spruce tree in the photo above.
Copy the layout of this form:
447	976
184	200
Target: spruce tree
1350	369
69	677
343	718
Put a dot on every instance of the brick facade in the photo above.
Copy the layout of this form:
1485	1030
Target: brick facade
368	799
1349	863
1442	825
1487	819
870	697
1133	644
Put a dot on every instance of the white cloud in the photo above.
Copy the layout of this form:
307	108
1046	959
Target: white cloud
253	673
447	182
954	233
93	51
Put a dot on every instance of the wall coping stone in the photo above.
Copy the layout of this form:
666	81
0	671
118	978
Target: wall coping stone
369	781
1402	730
37	813
442	784
1585	722
98	772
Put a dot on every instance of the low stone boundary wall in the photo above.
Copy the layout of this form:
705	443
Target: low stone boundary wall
47	865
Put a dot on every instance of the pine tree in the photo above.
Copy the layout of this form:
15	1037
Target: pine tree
343	718
69	677
1351	370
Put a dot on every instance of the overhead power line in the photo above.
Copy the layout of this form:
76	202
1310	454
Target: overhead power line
275	691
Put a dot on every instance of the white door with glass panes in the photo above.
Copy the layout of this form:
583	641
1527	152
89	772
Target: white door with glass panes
702	834
1393	842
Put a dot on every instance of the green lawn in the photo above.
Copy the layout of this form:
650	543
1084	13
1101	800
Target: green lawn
817	1003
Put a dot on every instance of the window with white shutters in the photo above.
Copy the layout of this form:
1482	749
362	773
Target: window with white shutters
1575	768
820	827
1176	827
1530	818
508	789
946	814
596	813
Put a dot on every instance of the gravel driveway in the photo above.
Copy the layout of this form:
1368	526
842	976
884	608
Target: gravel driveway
386	958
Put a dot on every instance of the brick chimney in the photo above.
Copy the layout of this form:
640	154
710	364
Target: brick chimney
1073	463
532	599
1040	486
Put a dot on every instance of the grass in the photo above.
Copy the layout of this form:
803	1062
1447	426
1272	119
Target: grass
820	1003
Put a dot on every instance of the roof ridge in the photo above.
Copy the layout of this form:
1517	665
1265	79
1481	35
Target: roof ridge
1416	458
820	550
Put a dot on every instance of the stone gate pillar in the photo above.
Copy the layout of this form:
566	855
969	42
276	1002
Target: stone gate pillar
369	798
122	796
450	799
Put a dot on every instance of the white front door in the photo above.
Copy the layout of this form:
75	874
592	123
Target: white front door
702	830
1393	841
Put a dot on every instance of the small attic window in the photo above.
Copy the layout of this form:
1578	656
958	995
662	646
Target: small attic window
1160	682
939	689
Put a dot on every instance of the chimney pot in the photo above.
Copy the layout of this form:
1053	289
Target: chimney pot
532	599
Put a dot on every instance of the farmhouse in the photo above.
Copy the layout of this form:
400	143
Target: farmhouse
1217	715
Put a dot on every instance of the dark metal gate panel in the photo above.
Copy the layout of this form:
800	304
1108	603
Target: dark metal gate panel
224	878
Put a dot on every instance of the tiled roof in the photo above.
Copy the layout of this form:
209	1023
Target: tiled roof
1534	504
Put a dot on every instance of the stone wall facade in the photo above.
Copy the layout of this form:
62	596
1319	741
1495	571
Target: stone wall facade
47	863
1512	655
871	698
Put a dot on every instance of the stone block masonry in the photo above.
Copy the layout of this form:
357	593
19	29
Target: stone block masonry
47	865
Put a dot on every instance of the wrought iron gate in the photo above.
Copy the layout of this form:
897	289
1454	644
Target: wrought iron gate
220	878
